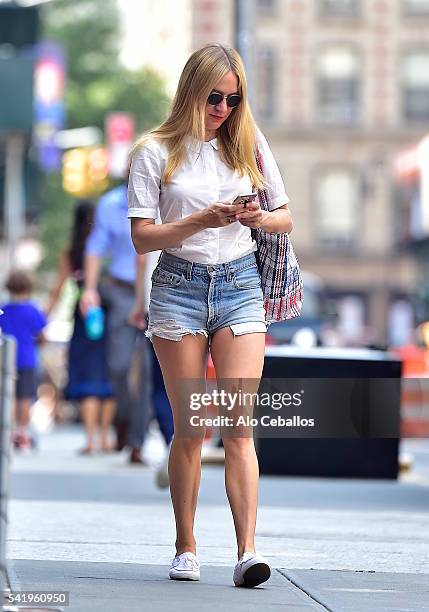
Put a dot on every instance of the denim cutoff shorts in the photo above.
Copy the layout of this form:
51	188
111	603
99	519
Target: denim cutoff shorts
194	298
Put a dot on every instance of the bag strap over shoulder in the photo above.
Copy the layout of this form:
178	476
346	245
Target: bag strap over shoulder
281	278
263	194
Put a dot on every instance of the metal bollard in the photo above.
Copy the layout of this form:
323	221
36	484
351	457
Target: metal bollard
7	396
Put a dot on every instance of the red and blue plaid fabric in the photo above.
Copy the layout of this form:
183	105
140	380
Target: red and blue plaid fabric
281	278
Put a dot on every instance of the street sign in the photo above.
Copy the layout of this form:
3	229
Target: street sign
49	78
120	137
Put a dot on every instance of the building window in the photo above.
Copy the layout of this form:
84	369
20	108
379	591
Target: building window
266	6
338	86
401	322
337	208
415	76
266	86
351	320
416	7
340	8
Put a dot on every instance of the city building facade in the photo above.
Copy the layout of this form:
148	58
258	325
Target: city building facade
342	86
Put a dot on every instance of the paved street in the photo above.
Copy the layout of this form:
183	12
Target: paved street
101	529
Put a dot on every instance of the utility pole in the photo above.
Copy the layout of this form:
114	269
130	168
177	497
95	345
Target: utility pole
245	39
19	31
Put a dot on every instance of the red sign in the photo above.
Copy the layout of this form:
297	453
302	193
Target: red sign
119	128
120	137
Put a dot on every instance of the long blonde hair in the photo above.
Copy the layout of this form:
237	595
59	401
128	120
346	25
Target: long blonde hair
236	136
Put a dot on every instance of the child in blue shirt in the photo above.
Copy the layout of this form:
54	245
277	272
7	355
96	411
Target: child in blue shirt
24	321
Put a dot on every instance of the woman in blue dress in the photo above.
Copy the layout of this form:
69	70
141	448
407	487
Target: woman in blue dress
88	380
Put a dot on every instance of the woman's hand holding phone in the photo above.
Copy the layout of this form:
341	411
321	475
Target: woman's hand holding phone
252	215
243	209
221	214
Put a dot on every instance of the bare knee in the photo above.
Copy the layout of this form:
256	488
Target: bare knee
190	446
238	447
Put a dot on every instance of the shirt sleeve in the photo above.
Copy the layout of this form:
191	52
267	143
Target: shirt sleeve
275	185
144	183
99	241
39	321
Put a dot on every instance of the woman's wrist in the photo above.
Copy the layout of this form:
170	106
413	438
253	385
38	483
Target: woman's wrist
200	218
266	223
277	221
196	222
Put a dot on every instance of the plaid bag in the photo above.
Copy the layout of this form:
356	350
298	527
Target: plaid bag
282	285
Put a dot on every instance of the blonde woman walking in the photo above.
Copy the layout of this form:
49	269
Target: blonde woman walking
206	289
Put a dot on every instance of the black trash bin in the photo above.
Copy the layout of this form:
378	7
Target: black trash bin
350	457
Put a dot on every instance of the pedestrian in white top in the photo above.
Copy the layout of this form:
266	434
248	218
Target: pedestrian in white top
206	289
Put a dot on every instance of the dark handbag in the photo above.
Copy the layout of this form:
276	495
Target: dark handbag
281	278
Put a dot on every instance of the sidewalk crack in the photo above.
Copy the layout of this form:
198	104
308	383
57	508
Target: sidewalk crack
303	589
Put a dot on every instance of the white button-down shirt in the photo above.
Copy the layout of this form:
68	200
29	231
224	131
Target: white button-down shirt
202	180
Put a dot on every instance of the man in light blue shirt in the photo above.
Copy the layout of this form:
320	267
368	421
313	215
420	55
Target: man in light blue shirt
111	235
111	238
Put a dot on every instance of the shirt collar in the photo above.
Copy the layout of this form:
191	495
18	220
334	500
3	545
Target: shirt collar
195	145
214	143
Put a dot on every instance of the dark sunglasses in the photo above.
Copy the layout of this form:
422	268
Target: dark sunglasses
232	100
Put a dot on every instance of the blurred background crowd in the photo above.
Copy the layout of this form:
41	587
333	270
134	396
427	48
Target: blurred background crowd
339	87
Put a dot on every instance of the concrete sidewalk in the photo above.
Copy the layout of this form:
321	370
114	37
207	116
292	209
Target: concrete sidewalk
100	529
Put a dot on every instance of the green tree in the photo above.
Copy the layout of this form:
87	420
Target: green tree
97	83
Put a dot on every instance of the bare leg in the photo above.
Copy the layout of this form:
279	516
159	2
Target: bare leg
23	407
178	361
234	358
89	410
108	408
21	420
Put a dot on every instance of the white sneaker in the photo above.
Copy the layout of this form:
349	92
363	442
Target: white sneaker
251	570
185	567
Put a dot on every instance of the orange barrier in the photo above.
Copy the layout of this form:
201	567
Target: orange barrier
211	410
414	391
415	408
211	372
415	360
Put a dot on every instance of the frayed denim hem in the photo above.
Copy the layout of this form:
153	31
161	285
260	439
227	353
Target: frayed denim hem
169	330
